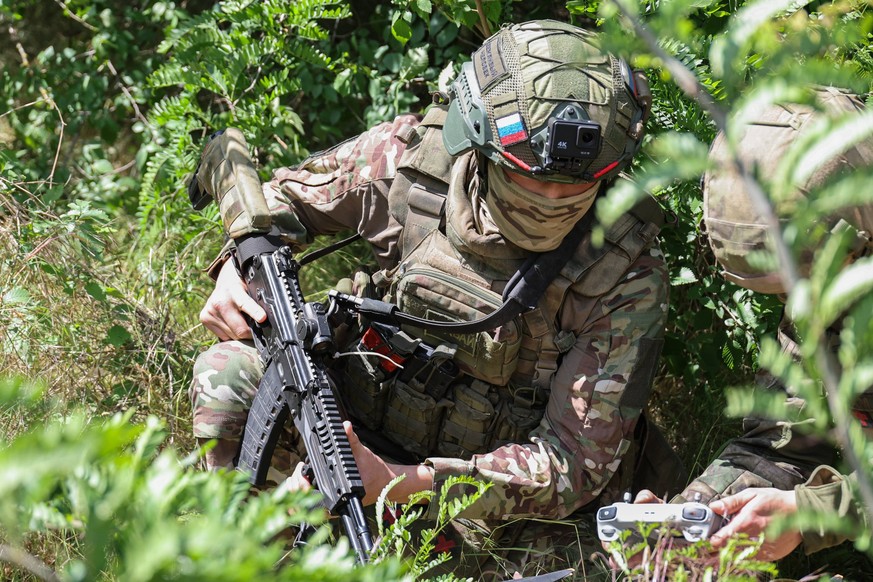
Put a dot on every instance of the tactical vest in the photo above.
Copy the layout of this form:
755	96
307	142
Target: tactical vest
458	395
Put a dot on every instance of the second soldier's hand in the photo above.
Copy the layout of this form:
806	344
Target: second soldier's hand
752	511
222	314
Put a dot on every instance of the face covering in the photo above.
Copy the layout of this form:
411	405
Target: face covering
529	220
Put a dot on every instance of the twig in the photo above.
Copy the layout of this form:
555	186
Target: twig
48	98
69	13
483	22
27	562
254	82
22	107
127	94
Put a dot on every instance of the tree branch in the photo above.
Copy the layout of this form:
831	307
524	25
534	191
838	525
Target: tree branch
28	562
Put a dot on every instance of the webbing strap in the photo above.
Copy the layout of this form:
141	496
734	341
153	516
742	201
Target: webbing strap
522	292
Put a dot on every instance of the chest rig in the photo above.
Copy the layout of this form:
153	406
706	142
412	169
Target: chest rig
434	393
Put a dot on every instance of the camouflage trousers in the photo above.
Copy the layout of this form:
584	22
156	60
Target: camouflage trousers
225	381
226	378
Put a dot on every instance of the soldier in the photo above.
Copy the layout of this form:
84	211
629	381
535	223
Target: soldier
776	468
548	407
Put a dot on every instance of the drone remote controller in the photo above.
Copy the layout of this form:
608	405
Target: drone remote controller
693	520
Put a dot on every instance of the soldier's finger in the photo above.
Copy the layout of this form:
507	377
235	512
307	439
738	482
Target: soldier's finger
746	522
214	324
733	503
232	321
646	496
249	306
298	481
354	441
719	538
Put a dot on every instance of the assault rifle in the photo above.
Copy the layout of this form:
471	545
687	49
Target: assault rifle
293	344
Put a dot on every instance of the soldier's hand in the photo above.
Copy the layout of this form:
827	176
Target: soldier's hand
376	473
222	314
751	512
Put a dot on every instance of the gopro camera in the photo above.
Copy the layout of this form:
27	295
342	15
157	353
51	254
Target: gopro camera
574	139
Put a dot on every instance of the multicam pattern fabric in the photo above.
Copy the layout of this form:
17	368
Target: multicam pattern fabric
227	172
344	188
596	393
225	381
736	230
769	453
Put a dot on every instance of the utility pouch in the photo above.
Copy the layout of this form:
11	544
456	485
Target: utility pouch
363	387
515	423
411	417
432	366
423	286
468	425
227	173
385	355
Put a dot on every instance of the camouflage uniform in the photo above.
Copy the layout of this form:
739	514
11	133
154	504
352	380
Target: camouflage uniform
597	392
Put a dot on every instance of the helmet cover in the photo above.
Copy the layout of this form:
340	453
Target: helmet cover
734	227
541	99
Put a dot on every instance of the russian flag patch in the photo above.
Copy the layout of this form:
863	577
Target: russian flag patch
510	130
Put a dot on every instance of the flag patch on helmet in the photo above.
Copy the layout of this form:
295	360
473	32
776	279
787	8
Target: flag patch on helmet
510	130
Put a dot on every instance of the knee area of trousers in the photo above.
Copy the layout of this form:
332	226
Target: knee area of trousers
229	357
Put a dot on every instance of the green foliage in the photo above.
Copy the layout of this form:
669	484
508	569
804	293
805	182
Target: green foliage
86	87
235	65
398	537
139	513
654	552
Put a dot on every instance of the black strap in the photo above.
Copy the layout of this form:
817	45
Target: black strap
252	245
314	255
522	293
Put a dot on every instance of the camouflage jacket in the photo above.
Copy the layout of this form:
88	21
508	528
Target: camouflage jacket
568	460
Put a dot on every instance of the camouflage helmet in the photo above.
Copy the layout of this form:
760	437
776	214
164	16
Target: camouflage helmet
734	228
541	99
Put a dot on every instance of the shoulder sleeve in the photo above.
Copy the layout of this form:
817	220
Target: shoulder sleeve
344	188
829	493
